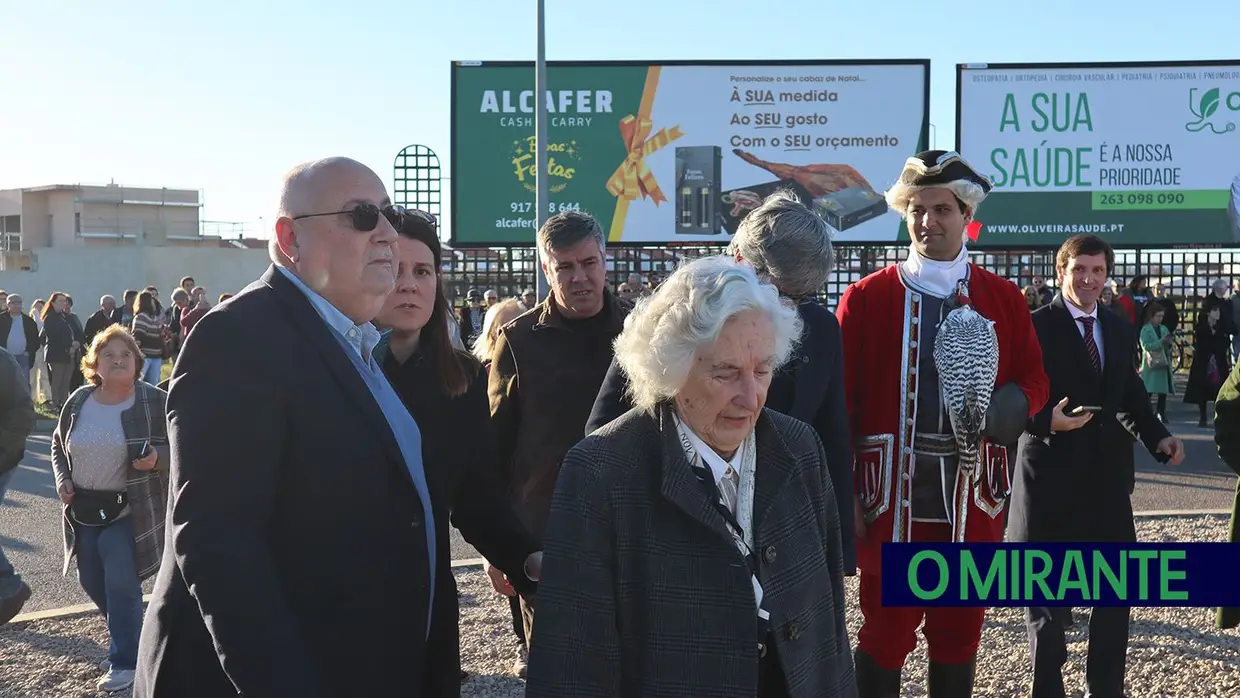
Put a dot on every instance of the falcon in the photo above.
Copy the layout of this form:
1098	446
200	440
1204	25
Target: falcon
966	352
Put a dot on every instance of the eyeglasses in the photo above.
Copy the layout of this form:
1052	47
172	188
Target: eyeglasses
365	217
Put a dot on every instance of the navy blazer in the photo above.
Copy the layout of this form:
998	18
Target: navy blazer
296	563
810	387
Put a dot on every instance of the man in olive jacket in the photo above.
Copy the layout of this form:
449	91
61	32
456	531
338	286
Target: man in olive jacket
1227	437
547	368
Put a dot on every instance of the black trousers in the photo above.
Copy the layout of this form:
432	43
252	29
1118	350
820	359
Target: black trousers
1104	665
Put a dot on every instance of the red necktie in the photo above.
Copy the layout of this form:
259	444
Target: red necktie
1090	345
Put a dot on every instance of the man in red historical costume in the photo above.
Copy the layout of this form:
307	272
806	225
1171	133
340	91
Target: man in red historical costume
942	371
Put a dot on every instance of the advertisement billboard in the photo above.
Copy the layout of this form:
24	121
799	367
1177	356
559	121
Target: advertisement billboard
681	151
1139	154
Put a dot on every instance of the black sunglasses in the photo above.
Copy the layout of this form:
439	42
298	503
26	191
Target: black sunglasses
365	217
421	216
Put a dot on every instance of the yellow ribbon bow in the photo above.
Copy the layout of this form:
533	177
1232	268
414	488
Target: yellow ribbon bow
633	177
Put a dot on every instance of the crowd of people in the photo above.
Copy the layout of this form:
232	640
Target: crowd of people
669	482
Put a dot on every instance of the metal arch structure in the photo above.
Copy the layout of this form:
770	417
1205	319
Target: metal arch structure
417	181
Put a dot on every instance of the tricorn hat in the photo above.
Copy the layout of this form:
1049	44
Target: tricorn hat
943	169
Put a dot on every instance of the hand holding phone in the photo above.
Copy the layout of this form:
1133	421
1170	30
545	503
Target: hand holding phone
149	458
1085	409
1063	421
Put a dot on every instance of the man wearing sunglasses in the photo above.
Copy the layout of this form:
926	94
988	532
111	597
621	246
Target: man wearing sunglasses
300	557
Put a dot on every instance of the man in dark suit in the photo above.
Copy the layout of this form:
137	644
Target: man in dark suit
1074	478
107	314
300	558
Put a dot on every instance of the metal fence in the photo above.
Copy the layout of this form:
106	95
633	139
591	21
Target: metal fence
1186	275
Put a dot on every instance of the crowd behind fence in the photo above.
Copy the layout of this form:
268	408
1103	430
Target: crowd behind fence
1186	274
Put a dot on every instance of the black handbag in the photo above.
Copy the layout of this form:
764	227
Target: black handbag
97	507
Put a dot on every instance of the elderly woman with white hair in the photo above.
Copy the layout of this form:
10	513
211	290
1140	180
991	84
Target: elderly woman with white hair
693	546
789	245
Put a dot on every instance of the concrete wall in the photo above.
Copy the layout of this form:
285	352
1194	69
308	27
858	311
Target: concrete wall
88	273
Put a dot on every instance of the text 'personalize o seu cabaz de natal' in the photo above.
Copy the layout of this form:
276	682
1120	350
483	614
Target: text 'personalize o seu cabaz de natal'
1061	574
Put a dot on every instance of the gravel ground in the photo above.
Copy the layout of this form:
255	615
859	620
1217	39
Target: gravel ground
1173	652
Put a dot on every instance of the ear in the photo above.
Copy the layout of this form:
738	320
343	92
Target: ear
286	238
546	273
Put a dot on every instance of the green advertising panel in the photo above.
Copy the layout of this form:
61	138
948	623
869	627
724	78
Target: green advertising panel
680	152
1139	154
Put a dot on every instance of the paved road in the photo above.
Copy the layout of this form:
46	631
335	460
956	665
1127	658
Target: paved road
30	532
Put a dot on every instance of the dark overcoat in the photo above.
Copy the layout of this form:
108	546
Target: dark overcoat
810	387
296	561
1077	485
643	591
1227	437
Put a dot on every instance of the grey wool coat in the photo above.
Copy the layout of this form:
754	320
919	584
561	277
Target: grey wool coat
643	592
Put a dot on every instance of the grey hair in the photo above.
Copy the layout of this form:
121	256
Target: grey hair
14	298
180	293
969	193
103	300
568	229
787	242
664	332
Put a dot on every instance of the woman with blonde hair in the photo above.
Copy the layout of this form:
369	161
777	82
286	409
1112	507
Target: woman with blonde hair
497	316
110	458
38	372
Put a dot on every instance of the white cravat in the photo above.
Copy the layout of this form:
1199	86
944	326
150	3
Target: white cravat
939	278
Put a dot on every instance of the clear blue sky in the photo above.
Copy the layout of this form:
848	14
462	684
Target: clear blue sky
225	95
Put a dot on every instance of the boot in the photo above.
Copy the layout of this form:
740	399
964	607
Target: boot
873	681
951	680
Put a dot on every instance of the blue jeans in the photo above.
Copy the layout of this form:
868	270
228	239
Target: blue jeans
109	576
151	369
10	581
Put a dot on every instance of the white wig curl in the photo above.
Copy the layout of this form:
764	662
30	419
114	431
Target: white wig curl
688	311
899	195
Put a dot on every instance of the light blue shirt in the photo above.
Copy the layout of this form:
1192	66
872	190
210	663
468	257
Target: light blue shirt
358	342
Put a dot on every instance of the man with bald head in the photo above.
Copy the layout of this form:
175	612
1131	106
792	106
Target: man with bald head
300	557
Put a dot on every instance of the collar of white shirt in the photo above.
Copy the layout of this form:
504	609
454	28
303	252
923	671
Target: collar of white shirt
718	466
1077	313
362	338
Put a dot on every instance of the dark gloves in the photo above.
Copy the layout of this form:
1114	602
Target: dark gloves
1006	417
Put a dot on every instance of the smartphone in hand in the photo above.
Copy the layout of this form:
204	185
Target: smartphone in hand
1084	409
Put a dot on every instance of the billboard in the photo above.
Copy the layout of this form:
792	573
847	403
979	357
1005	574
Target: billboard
681	151
1139	154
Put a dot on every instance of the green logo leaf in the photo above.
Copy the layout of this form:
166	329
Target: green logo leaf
1209	103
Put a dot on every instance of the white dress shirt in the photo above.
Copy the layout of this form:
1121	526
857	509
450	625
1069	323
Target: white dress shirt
1077	313
718	466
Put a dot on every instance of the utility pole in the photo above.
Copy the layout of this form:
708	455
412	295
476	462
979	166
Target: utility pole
542	201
